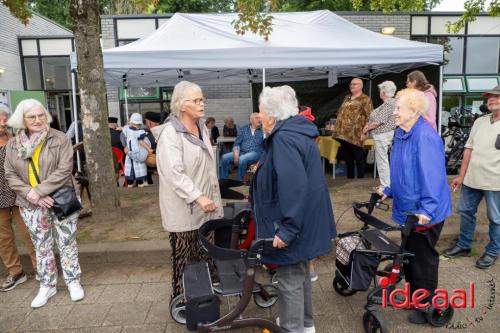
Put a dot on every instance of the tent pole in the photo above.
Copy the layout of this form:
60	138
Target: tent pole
263	78
440	104
75	119
126	101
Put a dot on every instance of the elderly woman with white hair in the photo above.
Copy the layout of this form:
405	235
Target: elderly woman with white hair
381	126
39	161
418	187
291	203
189	188
10	212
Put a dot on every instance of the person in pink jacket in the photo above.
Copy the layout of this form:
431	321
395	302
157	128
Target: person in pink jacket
417	80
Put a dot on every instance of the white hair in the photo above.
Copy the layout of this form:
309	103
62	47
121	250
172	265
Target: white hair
388	88
279	102
17	119
179	94
4	110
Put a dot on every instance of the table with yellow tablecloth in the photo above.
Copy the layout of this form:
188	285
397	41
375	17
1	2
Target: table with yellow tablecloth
329	147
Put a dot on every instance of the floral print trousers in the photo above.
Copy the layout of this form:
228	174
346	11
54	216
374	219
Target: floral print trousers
45	228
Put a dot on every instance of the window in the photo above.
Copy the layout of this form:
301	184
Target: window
135	28
454	84
419	25
55	47
438	25
32	70
482	55
29	47
481	83
56	73
453	53
484	26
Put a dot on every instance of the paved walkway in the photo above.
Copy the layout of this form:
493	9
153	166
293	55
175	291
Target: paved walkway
129	292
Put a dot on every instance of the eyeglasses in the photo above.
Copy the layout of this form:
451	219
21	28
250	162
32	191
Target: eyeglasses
41	116
198	100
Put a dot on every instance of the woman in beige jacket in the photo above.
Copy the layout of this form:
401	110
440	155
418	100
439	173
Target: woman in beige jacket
189	188
52	156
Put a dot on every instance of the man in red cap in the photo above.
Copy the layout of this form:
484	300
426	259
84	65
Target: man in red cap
480	177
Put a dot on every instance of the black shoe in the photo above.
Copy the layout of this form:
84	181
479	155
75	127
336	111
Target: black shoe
13	281
485	261
417	317
456	252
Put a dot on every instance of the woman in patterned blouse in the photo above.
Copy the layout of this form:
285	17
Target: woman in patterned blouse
381	126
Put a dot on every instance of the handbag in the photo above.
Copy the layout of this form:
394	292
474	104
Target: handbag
66	202
151	160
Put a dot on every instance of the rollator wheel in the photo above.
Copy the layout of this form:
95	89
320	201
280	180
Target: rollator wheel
341	288
439	317
178	309
372	322
262	302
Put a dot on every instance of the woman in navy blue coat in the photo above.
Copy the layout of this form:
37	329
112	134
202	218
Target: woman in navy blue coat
291	203
418	187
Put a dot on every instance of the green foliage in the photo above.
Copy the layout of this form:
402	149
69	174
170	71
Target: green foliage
18	8
472	8
56	10
194	6
333	5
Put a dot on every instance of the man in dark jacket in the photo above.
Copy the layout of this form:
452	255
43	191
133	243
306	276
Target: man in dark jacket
291	203
115	133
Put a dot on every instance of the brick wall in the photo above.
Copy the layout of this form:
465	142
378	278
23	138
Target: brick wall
376	22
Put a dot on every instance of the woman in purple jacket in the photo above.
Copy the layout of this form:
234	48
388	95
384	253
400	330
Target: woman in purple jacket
418	187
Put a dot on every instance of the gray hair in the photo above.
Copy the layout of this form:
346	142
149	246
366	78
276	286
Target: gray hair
17	119
179	94
388	88
279	102
4	110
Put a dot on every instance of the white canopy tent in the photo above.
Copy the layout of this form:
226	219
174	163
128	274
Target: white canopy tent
204	48
303	45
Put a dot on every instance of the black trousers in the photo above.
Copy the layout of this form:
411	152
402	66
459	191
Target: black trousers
352	155
422	270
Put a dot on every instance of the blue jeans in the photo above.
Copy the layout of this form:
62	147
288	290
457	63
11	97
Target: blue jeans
467	208
245	160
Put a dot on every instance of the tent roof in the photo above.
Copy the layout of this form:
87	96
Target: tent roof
302	45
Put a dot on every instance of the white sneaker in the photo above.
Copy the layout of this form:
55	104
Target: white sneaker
306	329
76	291
43	296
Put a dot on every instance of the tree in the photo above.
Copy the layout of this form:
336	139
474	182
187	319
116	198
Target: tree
19	9
56	10
251	17
94	109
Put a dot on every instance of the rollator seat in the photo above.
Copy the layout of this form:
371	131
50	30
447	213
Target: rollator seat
232	275
379	241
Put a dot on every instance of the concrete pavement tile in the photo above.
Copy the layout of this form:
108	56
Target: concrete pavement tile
119	293
159	313
113	274
11	318
107	329
92	294
145	329
15	297
127	314
328	324
46	318
146	274
86	315
154	292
